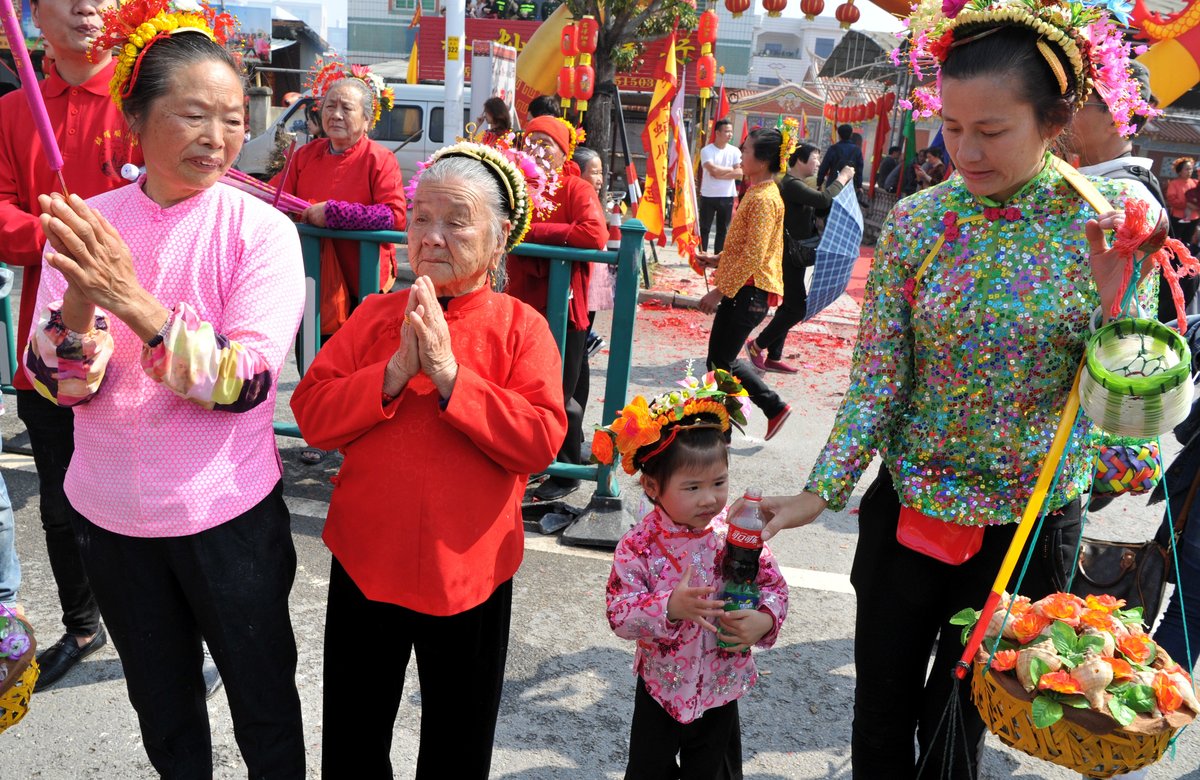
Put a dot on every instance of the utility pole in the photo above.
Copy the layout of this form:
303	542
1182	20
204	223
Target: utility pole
456	55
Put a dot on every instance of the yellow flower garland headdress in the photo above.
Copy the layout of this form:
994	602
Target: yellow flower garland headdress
133	26
525	183
644	429
1078	40
324	75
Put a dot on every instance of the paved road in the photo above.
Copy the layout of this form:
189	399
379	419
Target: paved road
569	689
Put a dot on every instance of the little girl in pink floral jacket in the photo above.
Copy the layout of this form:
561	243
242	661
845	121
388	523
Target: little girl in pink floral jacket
665	574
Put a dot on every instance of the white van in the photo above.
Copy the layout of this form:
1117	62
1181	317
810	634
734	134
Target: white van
412	130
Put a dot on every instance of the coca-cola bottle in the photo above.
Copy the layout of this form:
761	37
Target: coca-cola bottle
743	546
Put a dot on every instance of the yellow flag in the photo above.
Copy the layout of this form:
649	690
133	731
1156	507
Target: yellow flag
413	65
655	138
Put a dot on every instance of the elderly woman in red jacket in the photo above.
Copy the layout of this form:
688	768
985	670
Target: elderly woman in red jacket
436	387
577	221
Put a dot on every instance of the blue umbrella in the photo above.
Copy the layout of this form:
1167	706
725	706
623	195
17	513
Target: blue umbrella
837	252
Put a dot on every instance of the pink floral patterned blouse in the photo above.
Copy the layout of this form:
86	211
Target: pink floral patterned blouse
680	662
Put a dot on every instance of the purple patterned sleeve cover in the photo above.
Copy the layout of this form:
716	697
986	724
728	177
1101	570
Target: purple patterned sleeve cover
341	215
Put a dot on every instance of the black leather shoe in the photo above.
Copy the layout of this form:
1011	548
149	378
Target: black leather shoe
554	489
58	659
212	678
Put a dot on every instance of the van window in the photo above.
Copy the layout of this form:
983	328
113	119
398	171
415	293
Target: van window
437	124
400	124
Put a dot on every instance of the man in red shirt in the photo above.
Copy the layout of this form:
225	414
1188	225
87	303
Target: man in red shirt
95	145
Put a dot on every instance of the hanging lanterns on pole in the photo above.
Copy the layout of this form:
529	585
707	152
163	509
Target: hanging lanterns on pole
569	45
847	14
706	65
587	35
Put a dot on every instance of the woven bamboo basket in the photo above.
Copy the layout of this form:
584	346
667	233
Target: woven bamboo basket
1138	378
17	676
1072	742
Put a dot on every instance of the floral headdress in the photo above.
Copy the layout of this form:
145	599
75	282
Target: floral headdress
1077	38
791	139
133	26
643	430
525	181
324	74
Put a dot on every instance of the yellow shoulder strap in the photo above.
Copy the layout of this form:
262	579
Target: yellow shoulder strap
1077	180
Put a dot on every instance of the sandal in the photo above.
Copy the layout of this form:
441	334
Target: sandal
311	456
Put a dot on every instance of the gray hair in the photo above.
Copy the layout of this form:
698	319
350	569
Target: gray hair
365	96
476	176
584	155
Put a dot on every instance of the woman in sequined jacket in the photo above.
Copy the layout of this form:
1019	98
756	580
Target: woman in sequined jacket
960	373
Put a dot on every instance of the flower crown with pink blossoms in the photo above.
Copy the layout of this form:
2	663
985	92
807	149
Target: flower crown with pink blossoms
526	182
324	74
1077	38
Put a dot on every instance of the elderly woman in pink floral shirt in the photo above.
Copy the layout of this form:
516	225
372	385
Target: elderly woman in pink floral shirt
166	310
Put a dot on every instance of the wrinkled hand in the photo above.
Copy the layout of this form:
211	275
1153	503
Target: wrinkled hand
846	174
1108	268
314	214
744	626
693	603
707	259
97	263
433	337
405	362
786	511
708	304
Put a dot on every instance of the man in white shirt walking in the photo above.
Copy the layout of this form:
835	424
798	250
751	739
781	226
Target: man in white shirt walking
722	168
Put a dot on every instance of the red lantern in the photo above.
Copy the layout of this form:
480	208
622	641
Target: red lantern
843	115
569	42
706	71
584	83
812	8
860	113
566	83
706	30
587	34
847	14
774	7
737	7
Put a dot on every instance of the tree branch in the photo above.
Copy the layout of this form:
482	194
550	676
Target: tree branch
651	10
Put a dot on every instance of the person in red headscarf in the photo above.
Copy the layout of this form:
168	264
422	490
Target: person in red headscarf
576	221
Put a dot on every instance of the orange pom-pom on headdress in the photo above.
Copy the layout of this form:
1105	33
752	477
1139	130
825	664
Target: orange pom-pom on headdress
133	26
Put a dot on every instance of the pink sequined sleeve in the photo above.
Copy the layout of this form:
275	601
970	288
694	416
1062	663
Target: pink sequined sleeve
67	367
773	596
342	215
635	609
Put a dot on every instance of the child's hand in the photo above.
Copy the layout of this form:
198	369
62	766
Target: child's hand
692	603
745	626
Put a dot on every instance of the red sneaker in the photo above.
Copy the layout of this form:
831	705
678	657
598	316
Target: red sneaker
779	367
756	355
776	422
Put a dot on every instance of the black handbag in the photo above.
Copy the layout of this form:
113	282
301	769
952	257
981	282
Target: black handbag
1133	571
800	253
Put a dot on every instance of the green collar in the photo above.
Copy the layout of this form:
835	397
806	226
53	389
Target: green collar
1037	179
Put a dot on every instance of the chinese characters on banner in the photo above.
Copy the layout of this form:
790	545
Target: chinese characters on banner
515	33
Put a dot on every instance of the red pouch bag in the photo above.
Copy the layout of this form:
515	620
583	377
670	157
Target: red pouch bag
946	542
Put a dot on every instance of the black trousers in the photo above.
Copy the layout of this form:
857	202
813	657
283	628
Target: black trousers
460	665
52	437
735	320
576	381
709	748
229	585
792	311
905	600
722	210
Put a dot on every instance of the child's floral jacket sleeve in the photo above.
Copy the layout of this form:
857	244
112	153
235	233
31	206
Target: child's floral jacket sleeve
636	601
773	596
